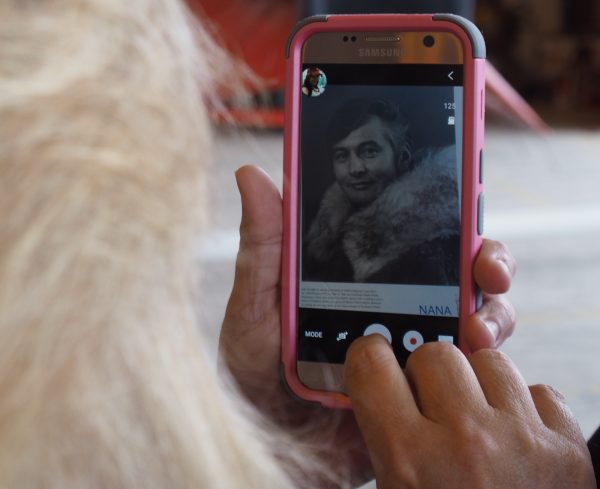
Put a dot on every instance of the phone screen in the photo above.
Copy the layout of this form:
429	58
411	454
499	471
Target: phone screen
379	214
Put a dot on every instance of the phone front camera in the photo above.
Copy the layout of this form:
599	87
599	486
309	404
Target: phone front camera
345	38
428	41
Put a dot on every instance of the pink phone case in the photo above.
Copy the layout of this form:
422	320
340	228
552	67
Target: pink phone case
472	189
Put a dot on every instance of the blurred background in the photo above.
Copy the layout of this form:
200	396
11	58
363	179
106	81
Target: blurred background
542	195
549	50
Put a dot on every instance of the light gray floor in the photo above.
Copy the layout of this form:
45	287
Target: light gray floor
542	199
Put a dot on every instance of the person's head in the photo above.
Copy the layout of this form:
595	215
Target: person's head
106	379
369	147
312	77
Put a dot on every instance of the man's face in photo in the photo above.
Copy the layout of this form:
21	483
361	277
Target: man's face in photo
364	162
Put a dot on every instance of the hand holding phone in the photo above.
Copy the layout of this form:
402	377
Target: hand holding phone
382	189
250	342
452	422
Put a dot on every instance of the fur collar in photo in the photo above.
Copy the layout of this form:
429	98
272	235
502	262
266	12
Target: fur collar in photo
417	208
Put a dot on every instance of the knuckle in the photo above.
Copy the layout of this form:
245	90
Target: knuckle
503	253
403	473
496	306
547	391
472	441
472	437
507	309
528	437
500	248
437	351
489	356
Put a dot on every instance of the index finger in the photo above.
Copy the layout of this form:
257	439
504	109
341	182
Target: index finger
382	399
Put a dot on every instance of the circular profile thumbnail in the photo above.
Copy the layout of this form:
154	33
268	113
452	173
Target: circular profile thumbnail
314	82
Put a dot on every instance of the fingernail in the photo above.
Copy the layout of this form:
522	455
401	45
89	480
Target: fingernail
507	267
493	328
506	262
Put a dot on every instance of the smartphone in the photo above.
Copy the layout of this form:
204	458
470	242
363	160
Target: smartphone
382	190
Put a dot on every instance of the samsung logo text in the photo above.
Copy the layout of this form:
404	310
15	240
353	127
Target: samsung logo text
379	52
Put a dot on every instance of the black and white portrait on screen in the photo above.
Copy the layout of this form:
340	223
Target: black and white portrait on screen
381	200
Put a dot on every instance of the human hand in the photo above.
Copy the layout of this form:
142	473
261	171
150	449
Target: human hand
250	340
495	320
250	336
452	422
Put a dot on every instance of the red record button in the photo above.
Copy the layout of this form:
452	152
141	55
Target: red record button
412	340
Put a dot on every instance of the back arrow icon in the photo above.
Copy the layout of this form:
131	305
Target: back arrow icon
450	75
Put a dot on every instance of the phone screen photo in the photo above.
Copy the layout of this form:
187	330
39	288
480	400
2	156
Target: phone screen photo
379	195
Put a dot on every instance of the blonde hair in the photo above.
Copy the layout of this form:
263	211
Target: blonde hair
104	380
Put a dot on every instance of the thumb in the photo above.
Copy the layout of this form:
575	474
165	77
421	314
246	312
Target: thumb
259	257
261	223
254	300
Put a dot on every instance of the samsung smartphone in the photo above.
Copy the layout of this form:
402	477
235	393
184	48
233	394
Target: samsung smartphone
382	189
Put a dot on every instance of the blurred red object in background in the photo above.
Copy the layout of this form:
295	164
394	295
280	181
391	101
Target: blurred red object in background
256	32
